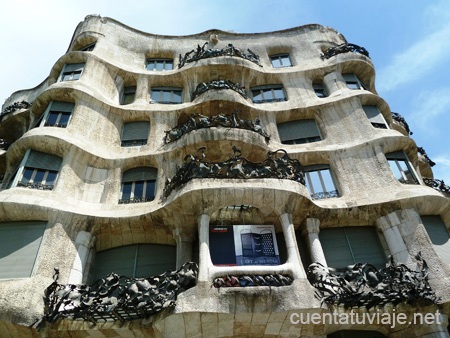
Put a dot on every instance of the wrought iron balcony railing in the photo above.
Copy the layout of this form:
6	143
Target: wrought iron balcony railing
218	85
344	48
198	121
136	200
439	185
202	53
38	186
15	106
421	151
397	117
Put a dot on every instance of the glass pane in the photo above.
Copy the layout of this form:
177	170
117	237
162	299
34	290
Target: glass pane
150	65
51	177
39	177
353	85
64	119
169	65
278	93
166	96
27	173
257	95
128	98
315	182
159	65
156	95
76	75
327	180
286	61
395	170
51	120
66	77
126	190
150	190
176	96
276	62
138	190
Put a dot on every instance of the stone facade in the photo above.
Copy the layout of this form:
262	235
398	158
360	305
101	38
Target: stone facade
74	159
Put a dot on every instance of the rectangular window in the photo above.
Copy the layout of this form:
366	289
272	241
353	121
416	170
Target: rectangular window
58	114
166	95
439	236
401	168
347	246
159	64
135	133
280	60
272	93
40	171
375	117
88	48
353	82
298	132
138	185
129	94
19	249
72	71
319	182
319	89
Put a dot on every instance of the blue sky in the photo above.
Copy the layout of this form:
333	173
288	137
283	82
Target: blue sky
409	43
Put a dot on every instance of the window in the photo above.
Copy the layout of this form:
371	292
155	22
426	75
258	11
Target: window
375	117
319	89
39	171
129	94
350	245
298	132
401	167
439	236
353	82
319	182
166	95
280	60
72	71
19	249
138	185
356	334
159	64
135	133
88	48
58	114
135	261
271	93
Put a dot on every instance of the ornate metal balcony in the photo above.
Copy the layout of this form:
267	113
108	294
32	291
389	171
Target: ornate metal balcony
38	186
278	164
397	117
252	280
439	185
421	151
365	285
344	48
202	53
198	121
218	85
15	106
136	200
116	298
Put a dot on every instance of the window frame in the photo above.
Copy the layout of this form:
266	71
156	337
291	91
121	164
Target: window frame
72	71
394	159
353	82
299	140
135	142
320	90
89	47
159	61
376	119
324	194
162	90
58	108
262	90
128	92
280	57
149	185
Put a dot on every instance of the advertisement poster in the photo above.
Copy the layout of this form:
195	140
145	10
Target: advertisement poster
243	245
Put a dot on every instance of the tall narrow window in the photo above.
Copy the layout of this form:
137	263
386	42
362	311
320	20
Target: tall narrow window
280	60
72	71
353	82
375	117
319	89
129	94
19	249
401	168
439	236
135	261
269	93
159	64
39	171
135	133
138	185
319	182
166	95
347	246
58	114
298	132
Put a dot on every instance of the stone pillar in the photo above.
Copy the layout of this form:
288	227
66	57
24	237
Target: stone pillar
293	256
389	227
311	232
83	244
184	246
204	254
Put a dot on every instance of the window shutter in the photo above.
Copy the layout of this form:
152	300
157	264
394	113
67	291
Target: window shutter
374	115
293	130
139	174
62	106
396	155
335	247
350	78
439	236
40	160
20	245
73	67
154	259
135	131
118	260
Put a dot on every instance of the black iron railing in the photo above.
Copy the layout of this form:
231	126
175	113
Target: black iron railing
218	85
344	48
439	185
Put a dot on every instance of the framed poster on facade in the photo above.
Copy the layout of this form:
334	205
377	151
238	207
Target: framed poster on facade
243	245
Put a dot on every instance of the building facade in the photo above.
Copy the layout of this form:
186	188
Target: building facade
235	184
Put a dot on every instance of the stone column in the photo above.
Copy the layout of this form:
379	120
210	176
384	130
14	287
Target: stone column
293	256
311	232
83	243
184	246
389	227
204	254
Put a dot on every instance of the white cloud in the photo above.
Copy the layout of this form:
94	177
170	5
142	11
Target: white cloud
441	170
429	105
